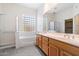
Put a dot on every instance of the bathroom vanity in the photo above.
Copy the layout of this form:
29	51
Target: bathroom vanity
58	44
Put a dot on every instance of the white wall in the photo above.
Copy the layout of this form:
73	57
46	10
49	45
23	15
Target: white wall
1	9
40	19
76	9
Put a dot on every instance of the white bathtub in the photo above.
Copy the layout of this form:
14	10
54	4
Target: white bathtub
25	39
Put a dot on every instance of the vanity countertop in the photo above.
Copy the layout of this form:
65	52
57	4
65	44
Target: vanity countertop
61	37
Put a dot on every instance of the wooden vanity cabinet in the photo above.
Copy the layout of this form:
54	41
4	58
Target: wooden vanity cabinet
54	47
45	44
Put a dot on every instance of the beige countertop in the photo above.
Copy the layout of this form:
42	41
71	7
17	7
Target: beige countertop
61	37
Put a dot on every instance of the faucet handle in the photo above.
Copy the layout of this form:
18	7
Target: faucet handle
73	36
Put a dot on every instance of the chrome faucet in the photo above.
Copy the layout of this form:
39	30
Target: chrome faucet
69	36
72	37
66	36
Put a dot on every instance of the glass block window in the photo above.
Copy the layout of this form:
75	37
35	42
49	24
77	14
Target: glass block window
29	23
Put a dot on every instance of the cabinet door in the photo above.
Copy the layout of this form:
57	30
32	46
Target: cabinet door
40	39
63	53
45	45
53	50
45	48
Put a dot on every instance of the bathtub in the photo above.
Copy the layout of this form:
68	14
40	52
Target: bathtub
25	39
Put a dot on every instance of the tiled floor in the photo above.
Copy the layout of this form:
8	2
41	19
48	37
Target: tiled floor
24	51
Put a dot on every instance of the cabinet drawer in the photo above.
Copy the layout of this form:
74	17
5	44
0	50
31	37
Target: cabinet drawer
44	42
45	38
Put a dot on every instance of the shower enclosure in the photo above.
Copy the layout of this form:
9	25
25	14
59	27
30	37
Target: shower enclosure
25	30
7	34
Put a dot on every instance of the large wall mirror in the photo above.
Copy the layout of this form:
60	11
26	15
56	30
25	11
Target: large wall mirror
65	18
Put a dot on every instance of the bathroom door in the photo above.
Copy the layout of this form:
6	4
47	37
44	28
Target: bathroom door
51	26
69	26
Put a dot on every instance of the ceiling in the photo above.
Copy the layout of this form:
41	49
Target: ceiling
32	5
61	6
